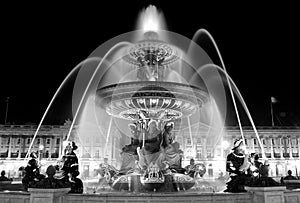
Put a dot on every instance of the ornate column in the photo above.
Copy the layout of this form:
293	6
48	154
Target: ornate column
24	144
280	148
290	148
271	147
9	147
20	148
60	151
50	147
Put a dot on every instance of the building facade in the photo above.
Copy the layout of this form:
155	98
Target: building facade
281	146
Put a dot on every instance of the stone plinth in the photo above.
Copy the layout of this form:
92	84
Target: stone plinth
38	195
267	194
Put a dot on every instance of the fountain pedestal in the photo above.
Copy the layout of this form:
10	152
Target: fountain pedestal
267	194
47	195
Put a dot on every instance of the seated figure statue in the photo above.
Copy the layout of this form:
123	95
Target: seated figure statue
32	172
264	180
171	151
237	164
3	177
152	145
51	181
160	148
129	152
68	169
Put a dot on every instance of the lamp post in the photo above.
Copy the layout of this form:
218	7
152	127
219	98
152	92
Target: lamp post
6	111
41	148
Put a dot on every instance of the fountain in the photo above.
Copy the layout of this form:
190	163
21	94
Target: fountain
145	103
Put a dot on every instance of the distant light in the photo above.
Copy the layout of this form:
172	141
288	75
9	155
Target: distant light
41	147
43	162
65	143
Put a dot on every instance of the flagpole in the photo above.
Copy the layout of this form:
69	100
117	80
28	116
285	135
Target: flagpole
272	116
6	111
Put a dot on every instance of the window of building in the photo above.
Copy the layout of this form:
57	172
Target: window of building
48	141
97	153
264	141
188	141
199	153
97	140
38	141
209	153
28	141
246	141
254	140
209	141
272	140
199	141
8	141
294	141
57	141
19	141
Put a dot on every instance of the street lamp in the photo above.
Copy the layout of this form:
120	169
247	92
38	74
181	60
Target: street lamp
41	148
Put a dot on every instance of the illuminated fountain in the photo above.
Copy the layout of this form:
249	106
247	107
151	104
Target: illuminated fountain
143	101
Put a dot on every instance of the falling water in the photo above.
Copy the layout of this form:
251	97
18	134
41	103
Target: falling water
237	92
53	98
205	32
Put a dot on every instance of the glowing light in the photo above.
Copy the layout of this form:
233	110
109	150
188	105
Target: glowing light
41	147
151	24
65	143
151	19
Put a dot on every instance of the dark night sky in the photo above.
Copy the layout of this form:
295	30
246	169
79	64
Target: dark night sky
41	43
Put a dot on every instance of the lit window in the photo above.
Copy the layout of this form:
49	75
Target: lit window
199	153
97	140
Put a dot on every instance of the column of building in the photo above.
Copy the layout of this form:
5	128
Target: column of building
60	149
9	147
271	147
290	147
19	147
52	140
280	148
253	144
